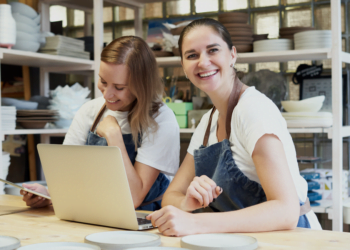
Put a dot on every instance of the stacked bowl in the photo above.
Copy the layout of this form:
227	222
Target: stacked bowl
288	32
28	35
313	39
241	32
273	45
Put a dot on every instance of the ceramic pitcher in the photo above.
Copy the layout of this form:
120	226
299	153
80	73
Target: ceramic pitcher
7	27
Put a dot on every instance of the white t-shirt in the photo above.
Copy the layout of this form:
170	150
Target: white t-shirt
160	150
254	116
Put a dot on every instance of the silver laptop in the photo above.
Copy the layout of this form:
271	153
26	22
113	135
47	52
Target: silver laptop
89	184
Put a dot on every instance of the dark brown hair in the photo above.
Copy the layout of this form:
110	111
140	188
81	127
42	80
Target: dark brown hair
215	25
144	81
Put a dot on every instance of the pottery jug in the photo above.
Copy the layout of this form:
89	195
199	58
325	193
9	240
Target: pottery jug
7	27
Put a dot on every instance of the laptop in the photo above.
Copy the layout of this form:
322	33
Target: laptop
89	184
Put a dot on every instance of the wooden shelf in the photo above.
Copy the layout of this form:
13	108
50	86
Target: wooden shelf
270	56
34	59
291	130
35	131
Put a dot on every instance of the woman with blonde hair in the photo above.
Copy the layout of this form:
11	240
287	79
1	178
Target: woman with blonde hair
132	116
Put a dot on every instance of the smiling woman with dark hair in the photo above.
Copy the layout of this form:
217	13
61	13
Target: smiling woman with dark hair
241	162
132	116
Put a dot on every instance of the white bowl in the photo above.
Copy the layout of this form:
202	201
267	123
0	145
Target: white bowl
27	45
313	104
37	19
23	19
27	28
23	9
23	36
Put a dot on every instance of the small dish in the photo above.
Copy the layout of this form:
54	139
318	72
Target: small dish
115	240
60	245
219	242
9	242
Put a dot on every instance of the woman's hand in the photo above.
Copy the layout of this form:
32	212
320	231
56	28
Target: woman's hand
201	192
108	126
33	200
172	221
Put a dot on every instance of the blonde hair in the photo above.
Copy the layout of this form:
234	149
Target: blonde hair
144	82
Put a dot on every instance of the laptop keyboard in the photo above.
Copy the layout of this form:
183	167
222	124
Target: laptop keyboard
143	221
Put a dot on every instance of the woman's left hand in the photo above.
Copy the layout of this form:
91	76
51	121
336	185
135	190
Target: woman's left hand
172	221
108	126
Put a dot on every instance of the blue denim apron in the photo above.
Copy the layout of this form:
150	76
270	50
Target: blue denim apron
216	161
154	197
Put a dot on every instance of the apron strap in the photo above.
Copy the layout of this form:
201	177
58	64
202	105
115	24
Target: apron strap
304	209
98	118
232	103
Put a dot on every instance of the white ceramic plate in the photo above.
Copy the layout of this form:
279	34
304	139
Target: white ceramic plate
60	246
274	41
9	243
219	242
313	33
158	248
116	240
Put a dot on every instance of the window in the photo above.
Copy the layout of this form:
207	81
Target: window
206	6
58	13
181	7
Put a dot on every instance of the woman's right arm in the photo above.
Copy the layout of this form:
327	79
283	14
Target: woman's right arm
189	192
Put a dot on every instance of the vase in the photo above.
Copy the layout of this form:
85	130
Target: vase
7	27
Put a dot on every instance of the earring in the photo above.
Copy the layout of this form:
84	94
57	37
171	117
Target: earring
186	76
232	65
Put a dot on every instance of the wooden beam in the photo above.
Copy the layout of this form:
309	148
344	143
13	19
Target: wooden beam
30	138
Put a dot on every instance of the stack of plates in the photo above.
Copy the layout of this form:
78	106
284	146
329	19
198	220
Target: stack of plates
8	118
36	118
308	119
241	32
288	32
313	39
273	45
65	46
5	160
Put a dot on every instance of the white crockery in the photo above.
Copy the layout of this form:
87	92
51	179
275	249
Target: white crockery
27	28
23	9
23	19
313	104
27	45
23	36
37	19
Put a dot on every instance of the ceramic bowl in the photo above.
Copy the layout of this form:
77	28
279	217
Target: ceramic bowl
27	45
313	104
27	28
37	19
23	9
23	19
23	36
